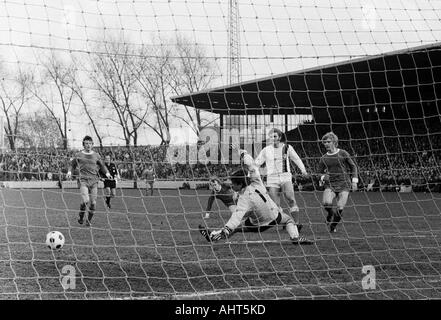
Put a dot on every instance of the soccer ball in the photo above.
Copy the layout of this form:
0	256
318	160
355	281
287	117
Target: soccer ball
55	240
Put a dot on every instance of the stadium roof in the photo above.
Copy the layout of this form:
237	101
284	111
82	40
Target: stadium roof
412	74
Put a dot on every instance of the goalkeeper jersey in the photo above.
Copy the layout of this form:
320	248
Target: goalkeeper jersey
254	202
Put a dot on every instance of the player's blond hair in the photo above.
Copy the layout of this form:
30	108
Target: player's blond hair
331	136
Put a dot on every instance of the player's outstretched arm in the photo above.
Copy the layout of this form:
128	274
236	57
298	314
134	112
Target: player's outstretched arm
242	207
235	220
229	227
293	156
261	158
220	234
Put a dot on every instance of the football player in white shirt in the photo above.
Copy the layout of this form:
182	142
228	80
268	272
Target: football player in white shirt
255	212
277	159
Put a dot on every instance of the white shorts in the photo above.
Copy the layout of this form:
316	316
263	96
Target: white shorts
278	180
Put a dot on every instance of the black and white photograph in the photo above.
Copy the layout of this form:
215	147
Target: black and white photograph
222	156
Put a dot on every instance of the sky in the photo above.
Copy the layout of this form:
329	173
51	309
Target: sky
276	36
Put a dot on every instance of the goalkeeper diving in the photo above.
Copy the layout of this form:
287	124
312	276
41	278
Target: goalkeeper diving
255	210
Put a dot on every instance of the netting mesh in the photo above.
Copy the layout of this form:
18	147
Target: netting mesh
138	77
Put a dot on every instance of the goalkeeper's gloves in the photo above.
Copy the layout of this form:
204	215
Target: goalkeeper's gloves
217	235
109	176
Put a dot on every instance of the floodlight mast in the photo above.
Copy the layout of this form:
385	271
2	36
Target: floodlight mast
234	59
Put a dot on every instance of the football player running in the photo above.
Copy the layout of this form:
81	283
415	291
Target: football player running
337	168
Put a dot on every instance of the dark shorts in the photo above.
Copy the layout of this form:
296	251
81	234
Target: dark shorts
253	228
109	184
229	203
338	186
150	182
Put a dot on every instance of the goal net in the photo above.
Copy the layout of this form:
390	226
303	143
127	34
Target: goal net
163	88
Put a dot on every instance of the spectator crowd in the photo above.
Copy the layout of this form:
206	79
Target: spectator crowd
387	161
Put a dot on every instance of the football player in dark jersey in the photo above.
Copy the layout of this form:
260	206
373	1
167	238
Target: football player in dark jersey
110	184
340	175
223	192
88	163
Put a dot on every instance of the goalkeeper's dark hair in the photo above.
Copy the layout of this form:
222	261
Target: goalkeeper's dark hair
241	178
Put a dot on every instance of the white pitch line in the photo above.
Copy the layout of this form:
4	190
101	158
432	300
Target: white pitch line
332	238
284	288
283	241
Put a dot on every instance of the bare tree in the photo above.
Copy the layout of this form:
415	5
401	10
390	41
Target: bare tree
39	130
80	92
14	94
55	92
154	80
114	69
194	72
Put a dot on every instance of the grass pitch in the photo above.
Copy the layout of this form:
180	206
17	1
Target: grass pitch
149	247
